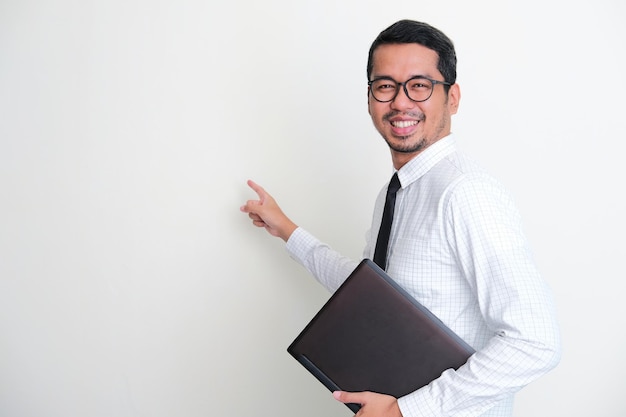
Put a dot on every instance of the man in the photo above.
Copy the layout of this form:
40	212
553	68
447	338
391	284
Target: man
456	242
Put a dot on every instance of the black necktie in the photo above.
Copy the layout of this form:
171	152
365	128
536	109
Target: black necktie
380	254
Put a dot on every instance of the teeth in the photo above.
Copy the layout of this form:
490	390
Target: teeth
404	123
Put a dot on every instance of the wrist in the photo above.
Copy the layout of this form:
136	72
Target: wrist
287	230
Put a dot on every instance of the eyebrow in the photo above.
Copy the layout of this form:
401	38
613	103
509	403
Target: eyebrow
375	76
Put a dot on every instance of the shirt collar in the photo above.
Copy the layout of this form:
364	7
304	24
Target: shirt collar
428	158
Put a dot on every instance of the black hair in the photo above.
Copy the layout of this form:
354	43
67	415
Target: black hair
410	31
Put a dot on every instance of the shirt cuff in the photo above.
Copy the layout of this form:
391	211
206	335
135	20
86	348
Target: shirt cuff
300	244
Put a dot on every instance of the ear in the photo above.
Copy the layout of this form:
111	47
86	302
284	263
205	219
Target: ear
368	100
454	97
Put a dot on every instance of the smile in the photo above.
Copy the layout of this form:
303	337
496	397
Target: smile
404	123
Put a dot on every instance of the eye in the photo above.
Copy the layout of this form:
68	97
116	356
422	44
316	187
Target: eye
420	84
384	85
384	89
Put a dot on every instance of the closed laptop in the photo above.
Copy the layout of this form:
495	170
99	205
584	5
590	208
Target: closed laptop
371	335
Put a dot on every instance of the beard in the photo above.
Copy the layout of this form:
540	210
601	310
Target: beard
406	144
413	143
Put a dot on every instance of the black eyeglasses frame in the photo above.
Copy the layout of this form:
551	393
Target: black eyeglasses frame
417	77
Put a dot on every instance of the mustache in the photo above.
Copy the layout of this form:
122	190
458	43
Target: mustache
414	115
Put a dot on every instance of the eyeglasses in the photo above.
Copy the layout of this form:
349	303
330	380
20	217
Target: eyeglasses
385	89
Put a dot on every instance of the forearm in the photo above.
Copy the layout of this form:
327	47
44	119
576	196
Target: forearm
328	266
490	376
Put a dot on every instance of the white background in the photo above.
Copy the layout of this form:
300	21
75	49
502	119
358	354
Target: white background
130	283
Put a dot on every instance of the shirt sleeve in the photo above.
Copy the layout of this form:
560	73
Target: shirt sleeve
328	266
483	230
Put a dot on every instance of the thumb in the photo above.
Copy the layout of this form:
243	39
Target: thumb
349	397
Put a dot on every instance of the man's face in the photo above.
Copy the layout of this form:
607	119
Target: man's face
407	126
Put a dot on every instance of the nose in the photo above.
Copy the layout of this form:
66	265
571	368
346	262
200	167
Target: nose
402	100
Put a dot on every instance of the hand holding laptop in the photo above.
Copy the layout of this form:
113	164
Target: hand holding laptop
372	404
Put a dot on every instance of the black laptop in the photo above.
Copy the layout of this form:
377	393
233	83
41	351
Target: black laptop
371	335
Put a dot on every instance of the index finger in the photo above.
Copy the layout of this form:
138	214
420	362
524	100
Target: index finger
257	189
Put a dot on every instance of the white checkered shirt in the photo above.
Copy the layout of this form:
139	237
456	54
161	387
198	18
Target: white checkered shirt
458	247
